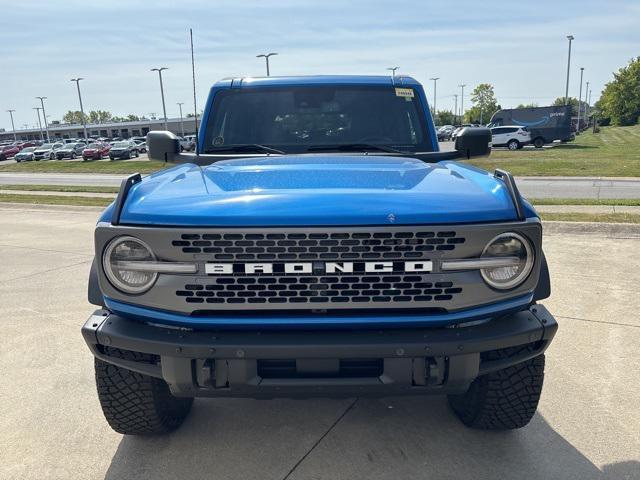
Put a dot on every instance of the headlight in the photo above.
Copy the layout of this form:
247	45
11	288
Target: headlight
520	254
119	261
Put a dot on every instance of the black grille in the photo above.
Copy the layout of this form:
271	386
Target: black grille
319	246
307	290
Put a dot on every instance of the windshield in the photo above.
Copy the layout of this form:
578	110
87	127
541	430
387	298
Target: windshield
94	145
121	144
293	119
47	145
27	150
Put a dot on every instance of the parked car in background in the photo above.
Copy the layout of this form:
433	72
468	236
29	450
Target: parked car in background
513	137
96	151
458	129
47	151
8	151
139	139
71	150
142	146
124	149
22	145
25	154
186	145
444	133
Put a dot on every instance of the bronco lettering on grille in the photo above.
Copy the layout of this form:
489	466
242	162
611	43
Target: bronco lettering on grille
316	267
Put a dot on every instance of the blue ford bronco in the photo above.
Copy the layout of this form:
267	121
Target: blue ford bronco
318	244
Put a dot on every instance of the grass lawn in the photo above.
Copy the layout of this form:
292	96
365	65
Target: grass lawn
54	200
614	152
60	188
632	202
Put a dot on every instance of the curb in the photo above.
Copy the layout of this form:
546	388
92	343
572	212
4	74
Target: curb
41	206
629	230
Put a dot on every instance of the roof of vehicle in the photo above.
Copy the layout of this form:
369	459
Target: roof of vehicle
398	80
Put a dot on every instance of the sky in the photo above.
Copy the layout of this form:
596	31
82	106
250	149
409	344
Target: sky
519	47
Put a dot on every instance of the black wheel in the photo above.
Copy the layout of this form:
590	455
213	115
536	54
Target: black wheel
52	157
513	145
136	404
538	142
502	400
73	156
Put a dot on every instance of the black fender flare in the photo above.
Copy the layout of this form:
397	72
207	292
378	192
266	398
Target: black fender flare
94	293
543	289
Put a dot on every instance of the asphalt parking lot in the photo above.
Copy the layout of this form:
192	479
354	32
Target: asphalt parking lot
587	426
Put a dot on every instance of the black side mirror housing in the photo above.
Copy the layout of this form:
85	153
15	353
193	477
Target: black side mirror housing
162	146
474	142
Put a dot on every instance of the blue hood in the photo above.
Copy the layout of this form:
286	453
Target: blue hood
318	190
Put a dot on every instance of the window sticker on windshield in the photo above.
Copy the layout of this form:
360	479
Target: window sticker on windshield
404	92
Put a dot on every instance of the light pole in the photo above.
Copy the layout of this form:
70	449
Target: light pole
44	115
566	91
455	109
587	103
84	121
435	79
164	108
181	122
12	125
39	123
393	70
580	100
266	59
462	102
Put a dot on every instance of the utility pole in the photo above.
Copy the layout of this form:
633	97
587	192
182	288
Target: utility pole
39	123
84	119
455	109
566	91
44	114
435	80
580	100
462	103
181	122
12	125
586	104
164	108
266	59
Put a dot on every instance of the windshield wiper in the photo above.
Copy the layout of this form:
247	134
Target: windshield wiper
354	147
249	147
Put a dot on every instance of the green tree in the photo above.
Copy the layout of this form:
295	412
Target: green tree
620	100
527	105
443	117
484	103
73	117
99	116
132	118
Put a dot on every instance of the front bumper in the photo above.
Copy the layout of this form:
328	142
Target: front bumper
320	363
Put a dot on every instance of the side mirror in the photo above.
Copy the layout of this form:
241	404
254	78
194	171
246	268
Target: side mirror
162	146
474	142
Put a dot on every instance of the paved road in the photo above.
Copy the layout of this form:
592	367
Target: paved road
532	187
52	427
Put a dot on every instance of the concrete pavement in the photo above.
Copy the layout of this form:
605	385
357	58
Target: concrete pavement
532	187
587	426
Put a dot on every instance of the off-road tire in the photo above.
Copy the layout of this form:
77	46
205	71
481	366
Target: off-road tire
502	400
136	404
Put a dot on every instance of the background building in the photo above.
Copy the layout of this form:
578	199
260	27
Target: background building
110	130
